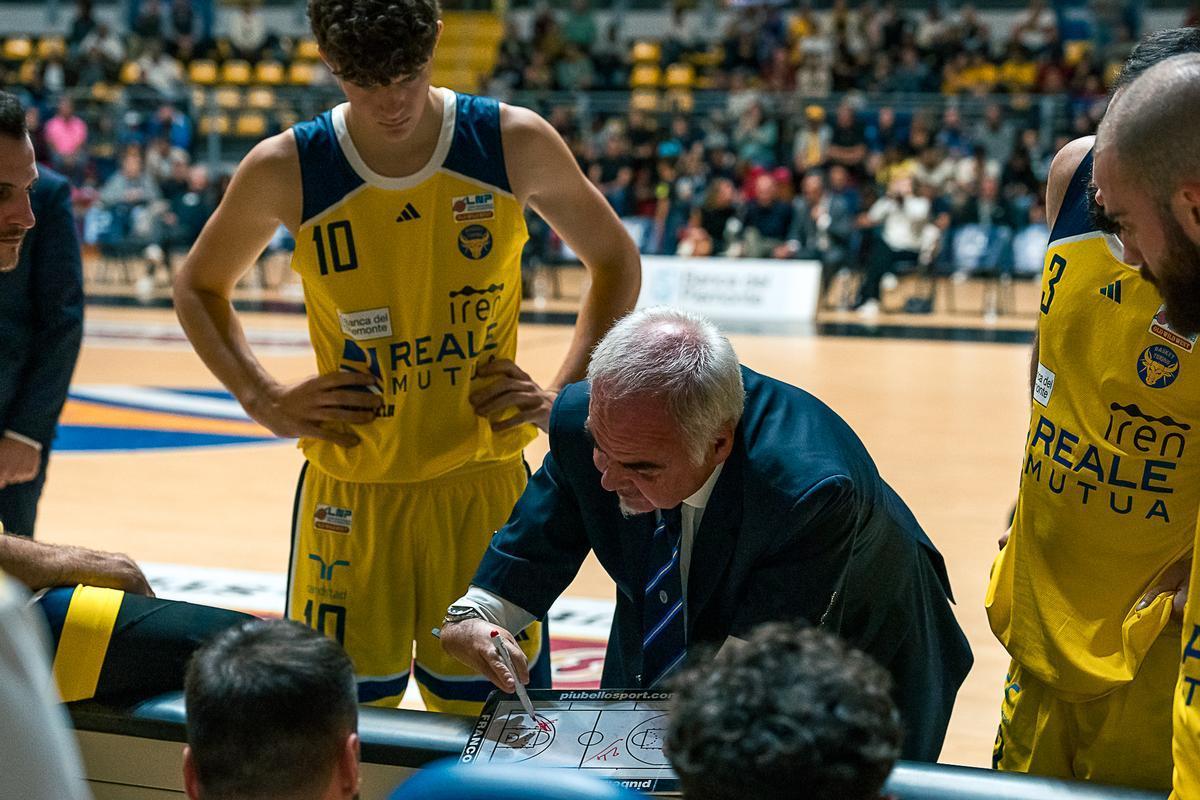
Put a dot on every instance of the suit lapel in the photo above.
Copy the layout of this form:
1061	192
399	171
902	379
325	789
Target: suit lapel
717	536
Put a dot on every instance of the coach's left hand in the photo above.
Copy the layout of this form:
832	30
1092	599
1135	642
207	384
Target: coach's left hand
512	388
1174	580
19	463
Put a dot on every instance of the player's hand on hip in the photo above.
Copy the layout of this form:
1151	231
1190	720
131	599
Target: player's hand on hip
313	407
19	462
510	387
1175	581
470	641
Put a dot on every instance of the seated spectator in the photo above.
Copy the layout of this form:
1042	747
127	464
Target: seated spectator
132	201
580	29
66	136
952	138
994	134
161	72
573	72
755	137
848	142
900	216
150	23
708	224
809	715
987	208
190	209
810	147
272	713
247	31
822	226
1029	245
765	221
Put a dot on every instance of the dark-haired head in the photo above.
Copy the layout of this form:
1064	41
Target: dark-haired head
373	43
271	713
12	116
807	713
1155	47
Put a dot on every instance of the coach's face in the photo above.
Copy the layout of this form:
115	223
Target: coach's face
640	452
18	173
1160	237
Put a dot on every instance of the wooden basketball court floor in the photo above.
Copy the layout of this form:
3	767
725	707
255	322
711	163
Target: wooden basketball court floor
945	421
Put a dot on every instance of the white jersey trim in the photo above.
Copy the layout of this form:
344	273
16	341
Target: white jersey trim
445	140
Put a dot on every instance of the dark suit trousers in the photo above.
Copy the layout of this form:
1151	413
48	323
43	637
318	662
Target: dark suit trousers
18	502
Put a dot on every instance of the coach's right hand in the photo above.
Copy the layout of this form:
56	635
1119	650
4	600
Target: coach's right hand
470	641
303	409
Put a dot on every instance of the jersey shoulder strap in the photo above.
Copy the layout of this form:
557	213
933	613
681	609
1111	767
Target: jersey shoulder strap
326	176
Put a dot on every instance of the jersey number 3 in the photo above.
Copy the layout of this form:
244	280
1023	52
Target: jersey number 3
335	244
1058	265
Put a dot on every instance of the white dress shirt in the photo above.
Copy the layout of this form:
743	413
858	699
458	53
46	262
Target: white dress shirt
514	619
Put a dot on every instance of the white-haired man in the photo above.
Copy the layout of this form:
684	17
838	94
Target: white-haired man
717	499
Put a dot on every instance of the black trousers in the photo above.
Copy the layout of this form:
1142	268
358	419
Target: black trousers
18	502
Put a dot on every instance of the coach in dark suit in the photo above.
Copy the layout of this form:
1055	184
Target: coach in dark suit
41	316
779	511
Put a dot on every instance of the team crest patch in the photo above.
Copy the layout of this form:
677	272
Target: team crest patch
333	519
1158	366
475	242
1163	330
474	207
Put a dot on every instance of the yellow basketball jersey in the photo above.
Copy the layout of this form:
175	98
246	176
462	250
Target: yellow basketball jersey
1110	480
415	280
1186	743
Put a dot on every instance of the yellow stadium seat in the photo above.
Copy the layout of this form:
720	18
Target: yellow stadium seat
301	73
199	97
307	50
680	100
260	97
236	72
18	48
1076	52
645	52
643	100
203	71
251	125
27	74
130	73
269	73
228	98
214	123
645	76
681	76
51	47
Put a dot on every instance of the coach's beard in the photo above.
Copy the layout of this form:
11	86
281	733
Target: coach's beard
10	248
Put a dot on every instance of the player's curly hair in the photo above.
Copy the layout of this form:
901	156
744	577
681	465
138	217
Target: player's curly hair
794	712
374	42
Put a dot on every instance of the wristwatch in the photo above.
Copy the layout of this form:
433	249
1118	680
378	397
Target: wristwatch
460	614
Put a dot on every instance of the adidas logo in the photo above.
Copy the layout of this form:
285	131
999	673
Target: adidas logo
409	213
1112	291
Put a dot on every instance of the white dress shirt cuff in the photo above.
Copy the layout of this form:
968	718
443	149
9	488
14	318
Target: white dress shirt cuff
16	437
494	608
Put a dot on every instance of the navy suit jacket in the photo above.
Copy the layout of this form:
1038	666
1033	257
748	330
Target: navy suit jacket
800	525
41	316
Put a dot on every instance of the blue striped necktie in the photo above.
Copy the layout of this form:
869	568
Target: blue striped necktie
664	633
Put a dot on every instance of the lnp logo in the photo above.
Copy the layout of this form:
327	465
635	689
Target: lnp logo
327	569
1112	291
475	242
1163	330
333	519
408	213
474	207
1158	366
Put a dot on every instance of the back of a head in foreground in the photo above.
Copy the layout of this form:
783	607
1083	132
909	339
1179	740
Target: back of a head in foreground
270	706
792	712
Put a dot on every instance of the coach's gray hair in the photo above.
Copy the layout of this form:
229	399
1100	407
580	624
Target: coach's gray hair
680	357
1153	126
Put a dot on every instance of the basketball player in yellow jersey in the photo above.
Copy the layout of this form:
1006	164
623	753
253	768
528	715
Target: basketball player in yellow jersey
1148	180
406	203
1082	594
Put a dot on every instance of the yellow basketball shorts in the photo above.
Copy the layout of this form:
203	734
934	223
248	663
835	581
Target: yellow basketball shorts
375	566
1122	738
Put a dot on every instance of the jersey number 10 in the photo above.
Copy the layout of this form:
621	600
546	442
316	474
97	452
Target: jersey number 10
335	242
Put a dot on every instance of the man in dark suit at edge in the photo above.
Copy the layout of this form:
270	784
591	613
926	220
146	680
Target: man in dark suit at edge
41	318
717	499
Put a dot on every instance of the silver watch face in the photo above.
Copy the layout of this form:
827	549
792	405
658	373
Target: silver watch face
462	612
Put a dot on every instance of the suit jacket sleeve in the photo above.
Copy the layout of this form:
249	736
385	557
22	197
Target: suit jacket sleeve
57	297
803	577
535	556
